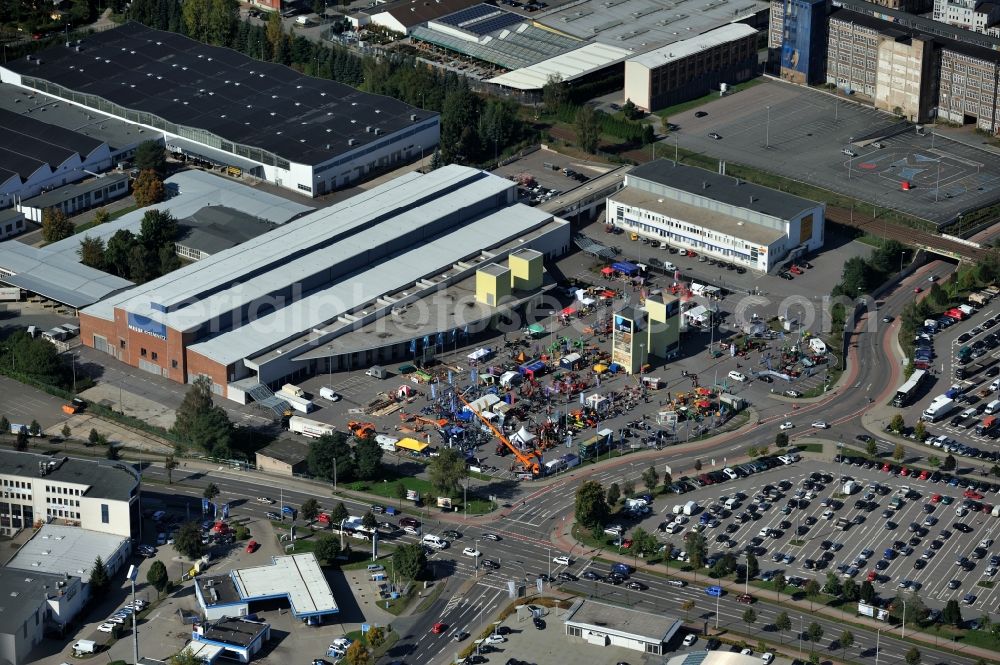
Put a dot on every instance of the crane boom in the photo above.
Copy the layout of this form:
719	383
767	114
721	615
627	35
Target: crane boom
534	467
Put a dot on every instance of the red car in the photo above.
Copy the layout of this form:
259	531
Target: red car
924	475
439	628
886	467
936	498
972	494
872	575
904	472
796	270
252	546
917	289
627	543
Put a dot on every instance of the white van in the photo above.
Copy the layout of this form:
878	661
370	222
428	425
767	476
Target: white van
738	376
816	345
992	407
667	265
328	393
85	646
995	385
434	541
732	503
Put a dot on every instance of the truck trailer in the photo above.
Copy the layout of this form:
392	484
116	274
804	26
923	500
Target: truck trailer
308	427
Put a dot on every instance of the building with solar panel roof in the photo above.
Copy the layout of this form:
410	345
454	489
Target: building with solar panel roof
257	118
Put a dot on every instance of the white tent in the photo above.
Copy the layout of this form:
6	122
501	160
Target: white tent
523	437
480	354
598	402
484	403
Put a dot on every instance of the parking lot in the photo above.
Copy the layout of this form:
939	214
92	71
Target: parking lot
552	173
805	542
800	133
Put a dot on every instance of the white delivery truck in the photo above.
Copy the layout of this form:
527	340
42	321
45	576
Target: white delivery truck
289	389
690	508
308	427
300	404
939	408
377	372
850	487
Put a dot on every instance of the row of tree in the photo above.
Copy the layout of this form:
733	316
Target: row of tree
862	275
139	258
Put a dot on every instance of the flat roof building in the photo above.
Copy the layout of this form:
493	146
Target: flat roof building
297	578
719	215
77	197
284	456
11	223
250	315
692	68
307	134
70	550
33	603
98	496
237	639
404	15
604	625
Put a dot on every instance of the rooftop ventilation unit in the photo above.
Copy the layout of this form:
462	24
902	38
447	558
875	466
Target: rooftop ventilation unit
351	141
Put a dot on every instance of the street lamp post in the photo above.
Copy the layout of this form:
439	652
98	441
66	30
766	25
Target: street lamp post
341	533
133	572
476	546
767	129
800	633
902	627
548	553
878	636
717	604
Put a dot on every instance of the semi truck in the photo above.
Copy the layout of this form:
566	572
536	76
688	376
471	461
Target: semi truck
988	424
939	408
300	404
308	427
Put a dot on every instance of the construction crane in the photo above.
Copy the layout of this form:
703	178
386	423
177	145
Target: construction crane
535	467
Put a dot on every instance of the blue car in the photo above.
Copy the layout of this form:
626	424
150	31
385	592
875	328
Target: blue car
714	590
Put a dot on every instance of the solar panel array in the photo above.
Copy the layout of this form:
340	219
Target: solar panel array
481	20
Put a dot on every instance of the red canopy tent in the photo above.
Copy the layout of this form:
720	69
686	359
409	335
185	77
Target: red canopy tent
607	270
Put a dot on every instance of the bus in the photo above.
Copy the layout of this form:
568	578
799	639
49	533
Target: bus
908	390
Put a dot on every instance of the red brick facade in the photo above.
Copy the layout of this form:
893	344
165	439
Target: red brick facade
140	349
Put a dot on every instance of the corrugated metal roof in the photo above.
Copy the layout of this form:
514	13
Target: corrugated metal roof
568	66
67	282
312	312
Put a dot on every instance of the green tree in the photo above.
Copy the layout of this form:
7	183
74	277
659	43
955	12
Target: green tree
99	579
34	429
752	569
211	491
66	431
158	227
117	251
410	561
643	542
112	452
912	656
310	509
211	21
339	513
628	487
614	495
151	156
812	592
327	548
867	594
368	459
897	424
147	189
157	576
952	614
851	591
4	426
555	93
330	457
832	586
650	478
648	134
871	448
933	461
168	259
846	641
169	463
697	465
241	532
780	583
446	472
187	540
101	216
592	510
55	225
588	131
91	252
749	617
21	441
459	121
920	431
687	606
697	548
814	633
782	622
399	491
948	464
200	423
368	520
781	439
375	637
899	452
94	436
498	125
630	110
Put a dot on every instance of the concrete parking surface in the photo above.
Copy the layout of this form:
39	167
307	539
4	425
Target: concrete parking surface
800	133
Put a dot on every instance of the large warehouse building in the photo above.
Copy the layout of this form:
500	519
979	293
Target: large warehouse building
717	215
261	119
398	259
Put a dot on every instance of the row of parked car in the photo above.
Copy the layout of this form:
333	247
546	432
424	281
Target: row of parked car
689	484
123	615
935	477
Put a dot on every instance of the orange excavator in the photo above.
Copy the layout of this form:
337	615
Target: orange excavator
532	465
361	430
